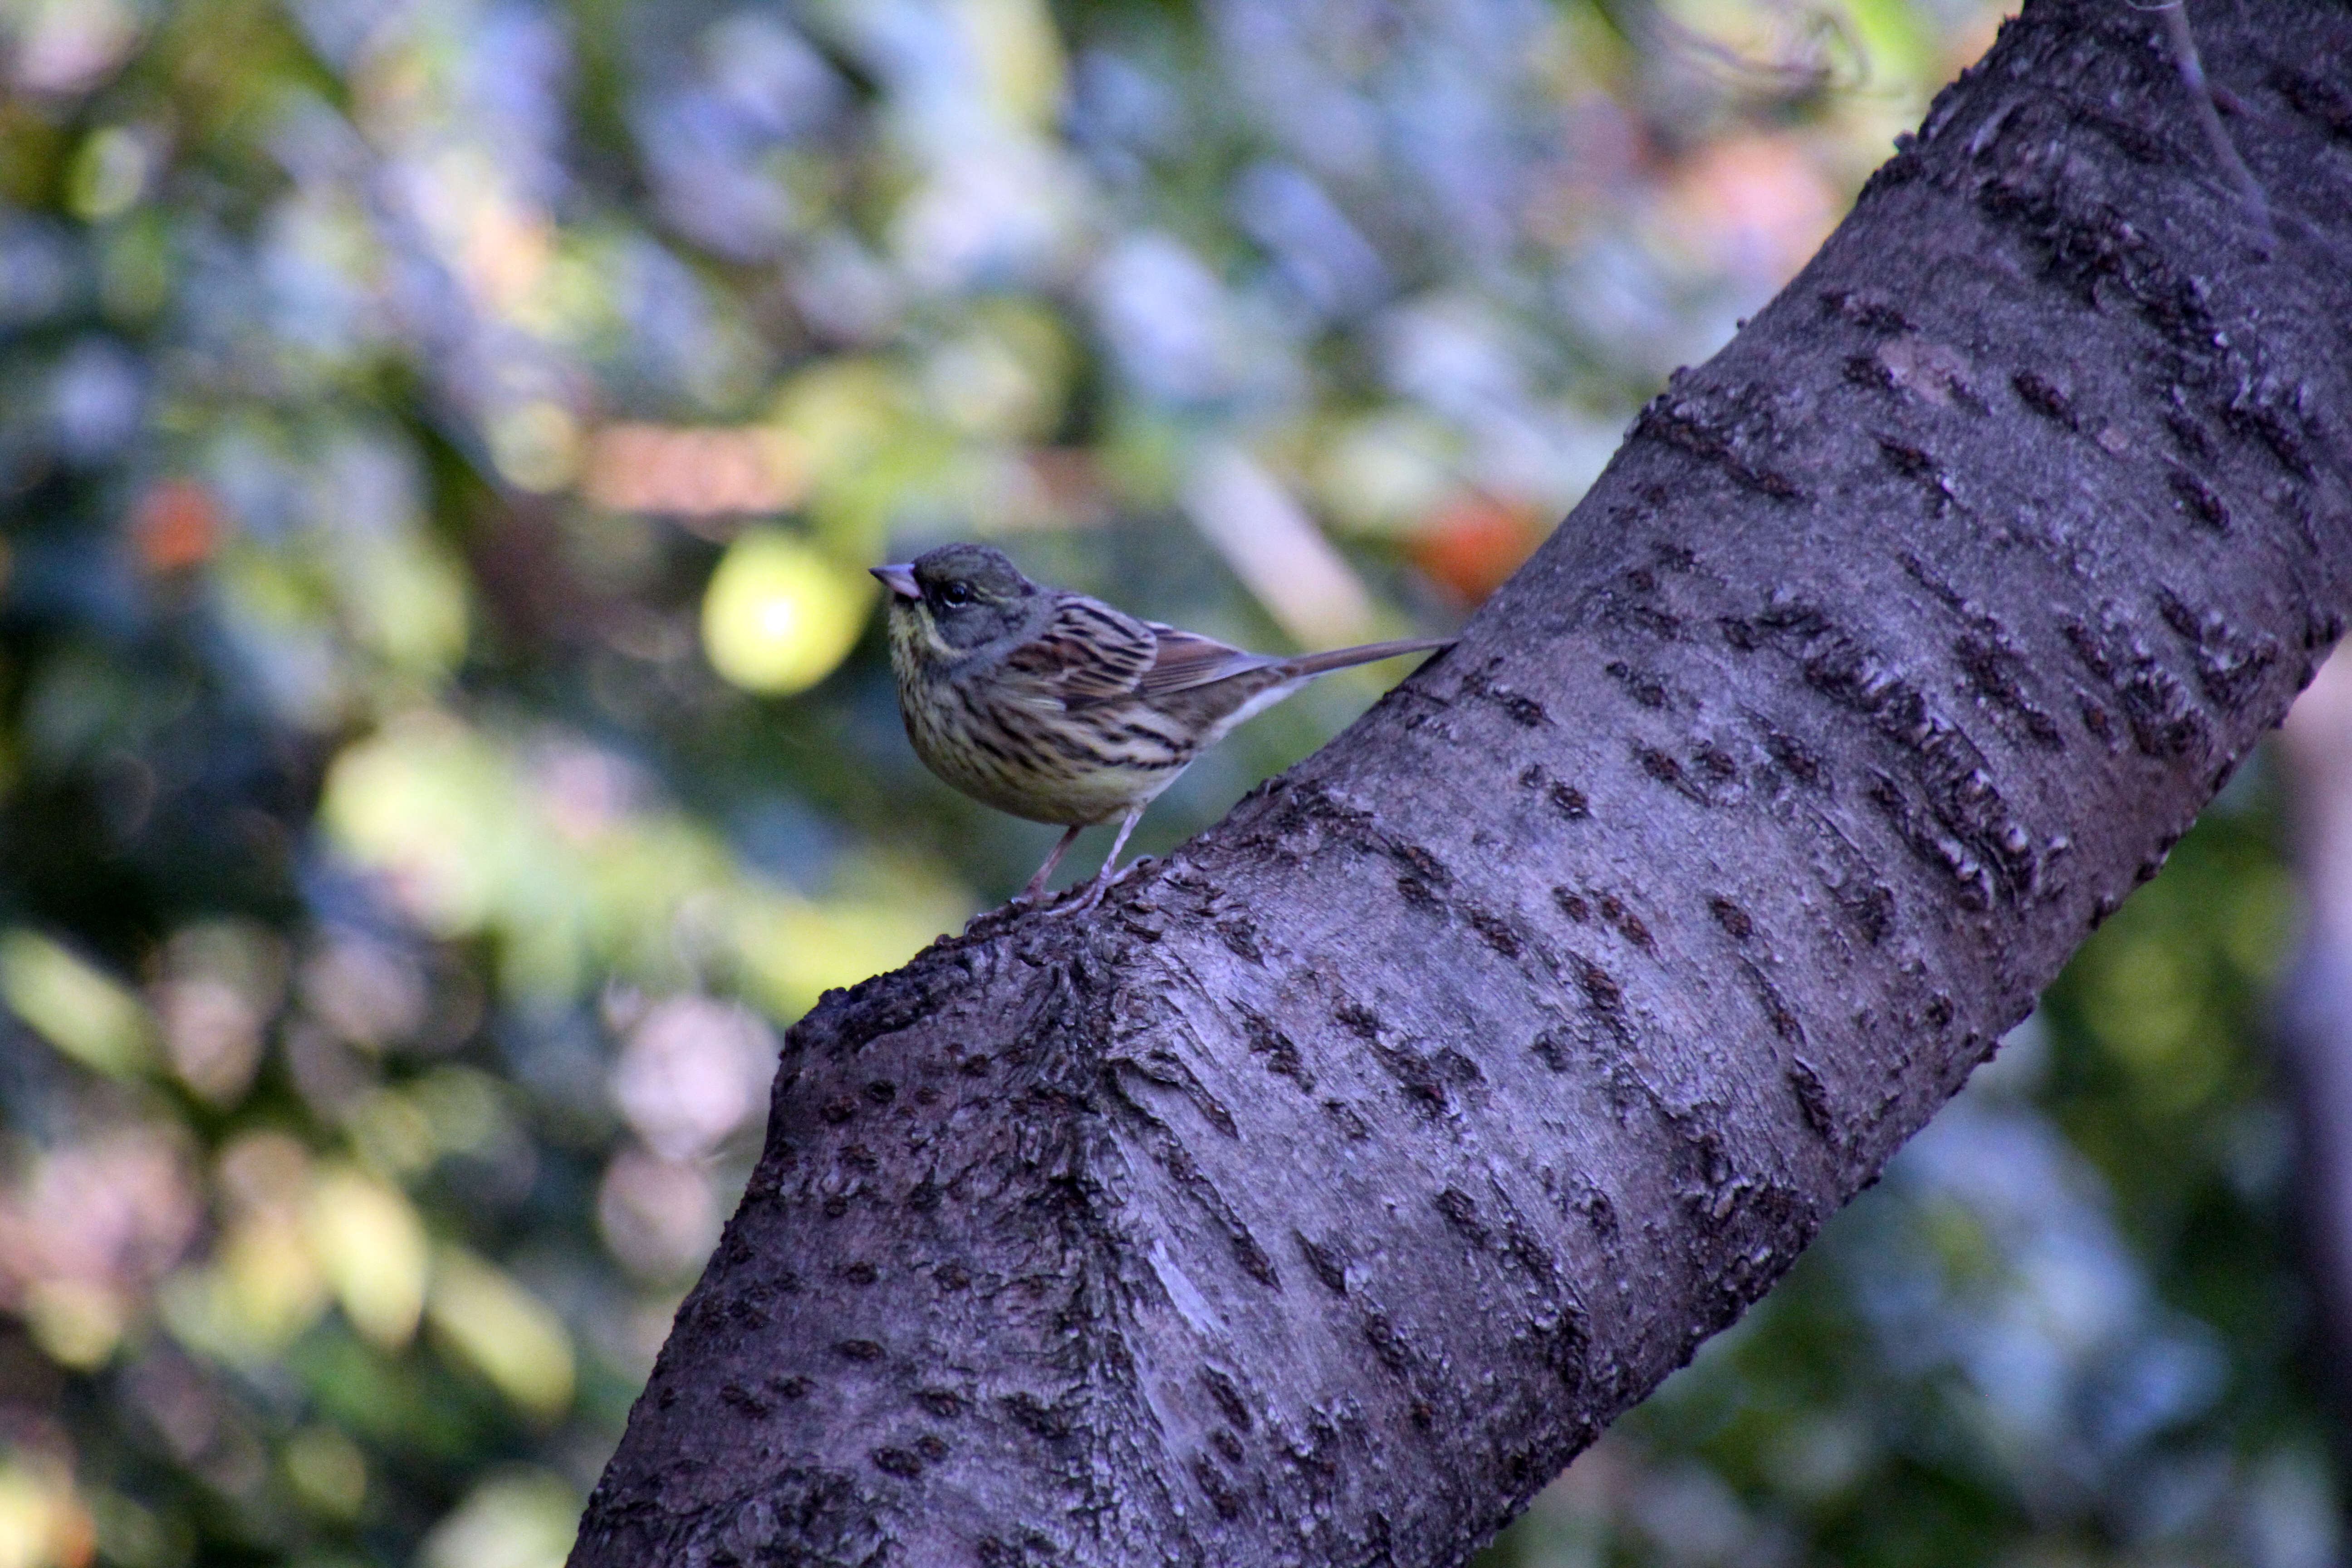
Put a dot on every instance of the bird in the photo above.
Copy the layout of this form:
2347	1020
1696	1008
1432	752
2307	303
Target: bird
1055	707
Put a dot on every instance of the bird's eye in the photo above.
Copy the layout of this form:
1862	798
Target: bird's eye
956	594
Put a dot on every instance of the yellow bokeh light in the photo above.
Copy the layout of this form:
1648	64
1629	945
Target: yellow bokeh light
521	1519
371	1247
78	1007
779	615
503	1332
77	1321
43	1524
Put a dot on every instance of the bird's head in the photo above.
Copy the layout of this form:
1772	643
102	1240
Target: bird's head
956	598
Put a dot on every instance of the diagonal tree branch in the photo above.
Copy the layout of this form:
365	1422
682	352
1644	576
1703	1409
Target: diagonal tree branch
1317	1196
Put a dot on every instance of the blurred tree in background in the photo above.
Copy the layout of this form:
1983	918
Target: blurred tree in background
442	741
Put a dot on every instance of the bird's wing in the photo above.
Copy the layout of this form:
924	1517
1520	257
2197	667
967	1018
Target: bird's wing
1089	652
1187	660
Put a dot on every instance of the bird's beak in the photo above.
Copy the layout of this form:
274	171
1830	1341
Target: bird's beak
899	580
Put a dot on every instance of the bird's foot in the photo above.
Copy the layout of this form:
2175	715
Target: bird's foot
1105	879
1074	899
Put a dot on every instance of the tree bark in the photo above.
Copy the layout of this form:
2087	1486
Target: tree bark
1316	1197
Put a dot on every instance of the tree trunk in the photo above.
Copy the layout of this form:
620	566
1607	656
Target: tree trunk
1316	1197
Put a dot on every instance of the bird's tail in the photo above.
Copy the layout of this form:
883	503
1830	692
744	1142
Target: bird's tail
1307	664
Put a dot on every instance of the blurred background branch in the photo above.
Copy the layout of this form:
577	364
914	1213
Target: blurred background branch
441	738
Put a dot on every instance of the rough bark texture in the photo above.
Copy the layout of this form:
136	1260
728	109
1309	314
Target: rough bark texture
1317	1196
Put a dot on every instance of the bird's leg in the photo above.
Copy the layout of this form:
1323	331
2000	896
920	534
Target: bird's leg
1110	861
1037	883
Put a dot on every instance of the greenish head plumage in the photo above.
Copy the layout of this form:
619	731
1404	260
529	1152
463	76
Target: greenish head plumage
971	594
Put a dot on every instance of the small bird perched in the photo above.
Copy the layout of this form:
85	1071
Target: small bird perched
1057	707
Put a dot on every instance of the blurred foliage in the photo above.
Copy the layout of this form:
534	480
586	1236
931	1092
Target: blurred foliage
442	739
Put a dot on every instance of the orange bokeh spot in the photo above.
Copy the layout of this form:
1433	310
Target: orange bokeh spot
1475	541
176	525
690	472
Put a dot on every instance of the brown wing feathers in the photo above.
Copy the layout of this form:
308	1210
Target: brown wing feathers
1091	654
1187	660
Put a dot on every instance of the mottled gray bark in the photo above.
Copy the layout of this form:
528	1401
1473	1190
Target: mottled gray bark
1316	1197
